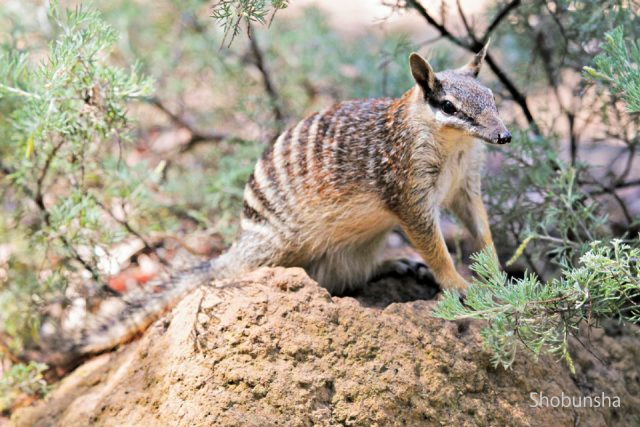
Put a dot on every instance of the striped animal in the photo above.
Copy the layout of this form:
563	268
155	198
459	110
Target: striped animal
327	192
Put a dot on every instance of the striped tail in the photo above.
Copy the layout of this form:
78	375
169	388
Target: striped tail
105	332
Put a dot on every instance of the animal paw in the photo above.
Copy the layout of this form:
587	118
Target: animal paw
404	268
454	283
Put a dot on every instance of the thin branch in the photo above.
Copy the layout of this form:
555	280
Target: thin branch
428	41
127	226
467	27
499	17
44	172
606	189
518	97
627	184
623	207
562	32
441	28
629	163
38	199
546	55
573	137
197	136
589	350
19	92
267	81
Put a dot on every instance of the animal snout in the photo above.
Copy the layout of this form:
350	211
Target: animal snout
504	137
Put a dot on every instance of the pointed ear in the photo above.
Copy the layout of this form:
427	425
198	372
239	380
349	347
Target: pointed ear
423	74
473	67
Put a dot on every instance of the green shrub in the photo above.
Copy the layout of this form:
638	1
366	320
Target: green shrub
542	316
22	379
617	67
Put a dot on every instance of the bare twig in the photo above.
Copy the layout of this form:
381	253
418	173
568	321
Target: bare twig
605	189
465	22
623	207
561	29
498	19
269	87
591	351
632	148
633	183
197	136
546	56
518	97
44	172
127	226
573	136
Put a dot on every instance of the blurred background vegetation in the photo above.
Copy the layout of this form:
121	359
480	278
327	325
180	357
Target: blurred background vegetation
128	129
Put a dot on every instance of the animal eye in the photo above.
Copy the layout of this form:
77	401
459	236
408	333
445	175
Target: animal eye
448	107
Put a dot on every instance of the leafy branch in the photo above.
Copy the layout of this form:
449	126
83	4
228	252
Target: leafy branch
617	67
231	13
542	316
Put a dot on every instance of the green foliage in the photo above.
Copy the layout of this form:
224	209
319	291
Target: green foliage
543	315
21	293
230	13
541	201
537	199
66	125
617	67
542	38
22	379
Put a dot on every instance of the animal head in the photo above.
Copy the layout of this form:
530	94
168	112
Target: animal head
459	103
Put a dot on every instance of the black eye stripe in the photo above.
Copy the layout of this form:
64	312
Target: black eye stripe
470	120
440	103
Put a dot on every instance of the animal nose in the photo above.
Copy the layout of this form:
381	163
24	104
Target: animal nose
504	137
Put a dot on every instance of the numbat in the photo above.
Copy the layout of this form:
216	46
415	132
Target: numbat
327	192
325	195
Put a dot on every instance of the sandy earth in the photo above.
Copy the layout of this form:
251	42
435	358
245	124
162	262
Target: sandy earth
274	348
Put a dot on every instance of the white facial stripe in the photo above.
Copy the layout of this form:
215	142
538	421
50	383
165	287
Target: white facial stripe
449	120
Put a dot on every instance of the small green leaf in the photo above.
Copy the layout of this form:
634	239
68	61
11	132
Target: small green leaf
29	148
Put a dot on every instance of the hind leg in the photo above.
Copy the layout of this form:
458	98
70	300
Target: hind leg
347	267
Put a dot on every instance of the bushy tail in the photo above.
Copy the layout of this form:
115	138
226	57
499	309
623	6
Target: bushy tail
138	311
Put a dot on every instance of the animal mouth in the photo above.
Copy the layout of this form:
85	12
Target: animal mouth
501	139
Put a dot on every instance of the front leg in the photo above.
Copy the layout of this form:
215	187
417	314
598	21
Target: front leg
424	232
467	205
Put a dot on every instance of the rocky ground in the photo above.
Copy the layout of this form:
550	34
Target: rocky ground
274	348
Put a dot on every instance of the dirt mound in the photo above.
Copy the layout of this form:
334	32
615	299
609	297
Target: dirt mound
274	348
